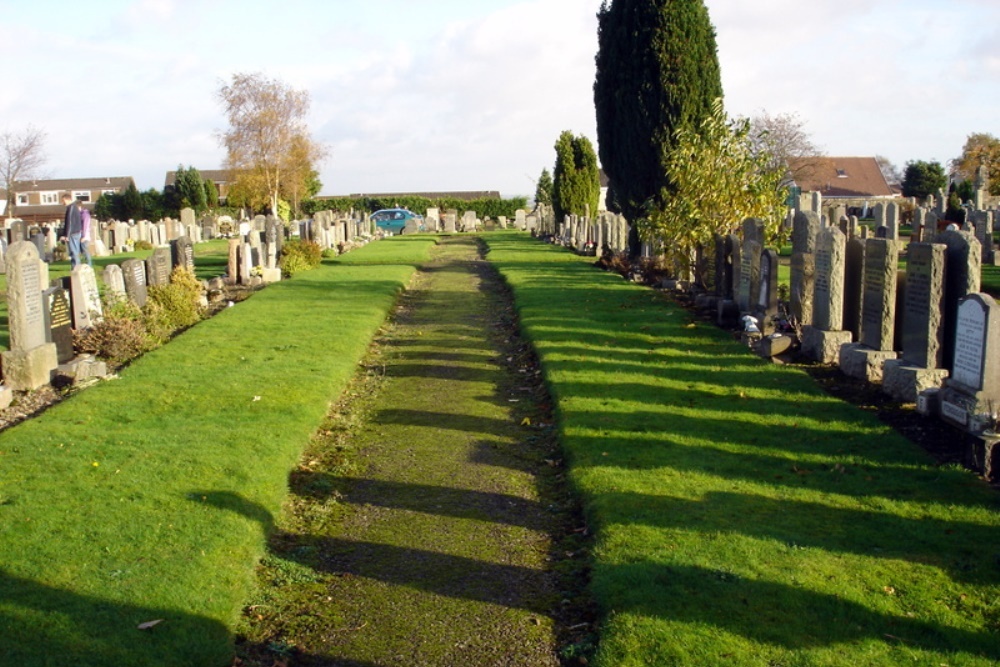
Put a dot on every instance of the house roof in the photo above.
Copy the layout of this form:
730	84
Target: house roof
840	176
120	182
214	175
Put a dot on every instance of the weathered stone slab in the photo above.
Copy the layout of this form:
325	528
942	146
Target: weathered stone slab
878	299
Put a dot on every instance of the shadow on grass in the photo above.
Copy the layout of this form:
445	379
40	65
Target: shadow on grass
784	615
438	573
41	625
946	545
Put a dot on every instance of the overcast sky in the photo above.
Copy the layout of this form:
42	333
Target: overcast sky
471	94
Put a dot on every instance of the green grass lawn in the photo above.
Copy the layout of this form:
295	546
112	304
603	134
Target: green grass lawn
148	497
743	516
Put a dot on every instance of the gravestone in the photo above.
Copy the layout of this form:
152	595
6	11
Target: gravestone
973	390
114	281
766	306
963	271
728	313
865	360
749	283
158	267
245	263
182	252
134	276
85	297
31	359
919	226
722	262
18	231
187	219
805	228
449	223
59	323
892	221
232	271
854	263
920	368
823	339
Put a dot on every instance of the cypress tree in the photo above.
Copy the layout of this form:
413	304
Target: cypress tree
657	71
576	178
543	191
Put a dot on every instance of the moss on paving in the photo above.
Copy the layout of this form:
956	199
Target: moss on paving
420	529
148	497
743	516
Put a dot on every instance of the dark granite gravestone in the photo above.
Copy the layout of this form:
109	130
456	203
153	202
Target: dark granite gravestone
182	253
963	270
134	275
58	323
158	267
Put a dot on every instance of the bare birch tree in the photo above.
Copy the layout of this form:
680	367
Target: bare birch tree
266	132
22	154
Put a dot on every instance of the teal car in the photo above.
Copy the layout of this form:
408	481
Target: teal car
394	220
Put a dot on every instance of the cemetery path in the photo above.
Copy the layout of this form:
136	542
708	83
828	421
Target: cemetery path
429	536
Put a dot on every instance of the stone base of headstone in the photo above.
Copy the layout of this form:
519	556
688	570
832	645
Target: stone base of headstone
929	403
28	370
904	383
864	363
271	275
823	346
983	455
773	345
82	368
727	314
674	285
707	302
6	396
962	409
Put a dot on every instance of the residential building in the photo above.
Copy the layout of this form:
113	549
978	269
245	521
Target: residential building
841	178
40	200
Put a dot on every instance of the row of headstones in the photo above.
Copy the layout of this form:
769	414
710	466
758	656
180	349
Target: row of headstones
449	222
133	278
743	273
42	316
327	228
926	334
590	237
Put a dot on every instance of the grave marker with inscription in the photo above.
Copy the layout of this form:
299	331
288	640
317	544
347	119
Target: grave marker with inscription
973	391
923	326
31	359
158	267
134	275
865	360
823	339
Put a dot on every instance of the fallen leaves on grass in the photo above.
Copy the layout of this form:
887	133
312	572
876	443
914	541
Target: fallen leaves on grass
150	624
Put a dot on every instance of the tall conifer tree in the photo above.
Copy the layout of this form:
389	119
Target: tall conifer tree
576	177
657	70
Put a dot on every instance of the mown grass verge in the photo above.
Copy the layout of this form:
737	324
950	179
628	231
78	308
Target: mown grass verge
149	497
743	516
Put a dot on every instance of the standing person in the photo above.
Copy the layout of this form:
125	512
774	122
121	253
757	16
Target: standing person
85	232
71	229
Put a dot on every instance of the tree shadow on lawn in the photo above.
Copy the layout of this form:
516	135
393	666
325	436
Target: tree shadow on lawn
435	500
953	547
444	421
41	625
775	613
438	573
872	478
